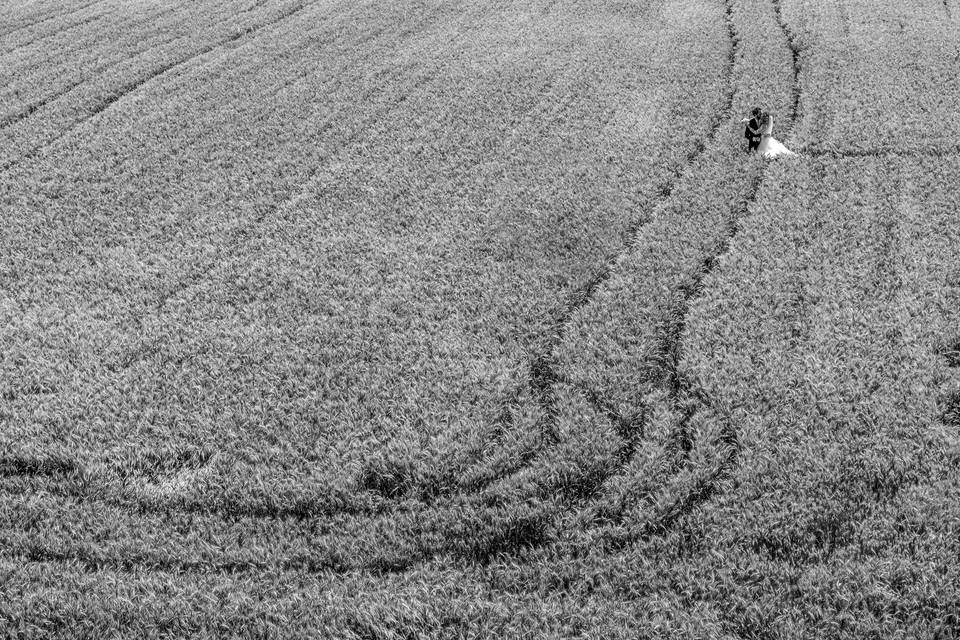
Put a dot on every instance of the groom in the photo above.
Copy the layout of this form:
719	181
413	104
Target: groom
752	132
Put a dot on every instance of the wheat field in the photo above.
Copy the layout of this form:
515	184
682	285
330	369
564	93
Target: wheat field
476	319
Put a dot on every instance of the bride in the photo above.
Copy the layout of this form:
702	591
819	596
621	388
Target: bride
770	147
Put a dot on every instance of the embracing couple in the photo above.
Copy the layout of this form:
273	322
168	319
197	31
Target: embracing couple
759	135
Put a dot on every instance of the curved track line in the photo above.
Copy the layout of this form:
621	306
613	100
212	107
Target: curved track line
545	376
796	53
708	487
48	19
25	112
53	34
679	393
130	87
683	396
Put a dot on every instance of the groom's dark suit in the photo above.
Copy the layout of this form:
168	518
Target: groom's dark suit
752	133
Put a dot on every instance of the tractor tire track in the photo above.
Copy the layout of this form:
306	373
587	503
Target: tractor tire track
796	53
677	389
130	87
114	484
707	487
236	240
28	110
687	400
551	503
543	372
53	34
545	377
19	465
48	19
532	122
256	5
135	85
627	427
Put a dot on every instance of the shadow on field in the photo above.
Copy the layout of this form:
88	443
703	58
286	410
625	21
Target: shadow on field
17	465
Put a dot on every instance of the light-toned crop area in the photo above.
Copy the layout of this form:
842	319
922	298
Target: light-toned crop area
439	319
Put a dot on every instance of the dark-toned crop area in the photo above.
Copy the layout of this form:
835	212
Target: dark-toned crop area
449	319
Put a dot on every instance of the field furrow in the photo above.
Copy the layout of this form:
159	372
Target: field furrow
136	83
59	31
31	19
117	69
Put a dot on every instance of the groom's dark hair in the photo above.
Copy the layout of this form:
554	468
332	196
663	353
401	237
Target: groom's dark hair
756	111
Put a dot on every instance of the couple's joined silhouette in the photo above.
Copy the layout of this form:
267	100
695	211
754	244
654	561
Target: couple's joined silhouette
759	135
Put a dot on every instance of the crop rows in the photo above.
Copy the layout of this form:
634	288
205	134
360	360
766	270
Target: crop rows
42	388
104	57
825	330
549	468
36	15
490	325
909	53
825	334
175	198
146	383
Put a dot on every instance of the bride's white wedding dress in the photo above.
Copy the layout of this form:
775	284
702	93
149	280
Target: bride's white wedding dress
770	147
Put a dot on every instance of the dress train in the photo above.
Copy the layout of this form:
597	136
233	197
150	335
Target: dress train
770	147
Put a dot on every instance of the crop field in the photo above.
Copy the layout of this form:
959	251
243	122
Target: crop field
475	319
